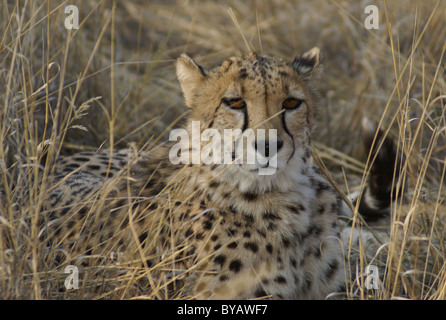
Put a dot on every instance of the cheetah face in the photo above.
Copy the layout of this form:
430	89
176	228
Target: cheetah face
268	97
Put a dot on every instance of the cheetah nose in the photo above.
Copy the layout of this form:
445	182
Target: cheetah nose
266	145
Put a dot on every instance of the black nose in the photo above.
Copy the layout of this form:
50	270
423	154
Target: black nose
266	144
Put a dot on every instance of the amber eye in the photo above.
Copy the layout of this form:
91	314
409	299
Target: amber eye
236	103
292	103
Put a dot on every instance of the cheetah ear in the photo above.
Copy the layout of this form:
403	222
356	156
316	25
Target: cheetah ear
309	61
190	75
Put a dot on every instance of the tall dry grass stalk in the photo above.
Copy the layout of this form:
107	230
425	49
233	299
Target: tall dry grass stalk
111	83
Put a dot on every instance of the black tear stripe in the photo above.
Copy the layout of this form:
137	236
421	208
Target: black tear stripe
288	133
213	117
245	119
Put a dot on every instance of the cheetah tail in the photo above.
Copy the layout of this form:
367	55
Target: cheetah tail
382	184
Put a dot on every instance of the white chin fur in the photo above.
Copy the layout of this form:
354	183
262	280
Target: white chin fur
247	178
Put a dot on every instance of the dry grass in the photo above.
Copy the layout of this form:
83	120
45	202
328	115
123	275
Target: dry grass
111	83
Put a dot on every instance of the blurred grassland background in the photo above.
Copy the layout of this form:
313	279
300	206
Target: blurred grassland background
112	81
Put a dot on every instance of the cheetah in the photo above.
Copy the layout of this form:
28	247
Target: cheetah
225	230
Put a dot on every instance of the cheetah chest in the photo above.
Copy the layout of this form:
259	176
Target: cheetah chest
273	245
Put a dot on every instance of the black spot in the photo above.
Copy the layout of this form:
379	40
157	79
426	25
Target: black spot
81	159
248	196
293	262
307	285
332	267
321	186
235	265
249	219
286	242
199	236
76	184
231	232
320	209
107	174
71	234
71	224
217	246
247	234
251	246
269	248
220	259
213	184
55	196
214	237
260	293
271	226
189	232
207	225
232	245
280	280
153	206
270	216
313	230
223	277
94	167
293	209
243	73
335	206
262	233
283	74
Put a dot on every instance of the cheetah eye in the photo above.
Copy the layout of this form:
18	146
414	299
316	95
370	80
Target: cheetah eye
236	103
292	103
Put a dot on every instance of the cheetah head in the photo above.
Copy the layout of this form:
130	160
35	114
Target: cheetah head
269	97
